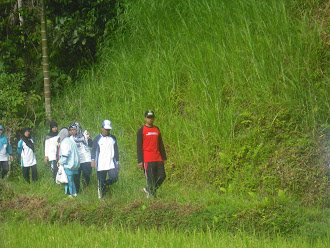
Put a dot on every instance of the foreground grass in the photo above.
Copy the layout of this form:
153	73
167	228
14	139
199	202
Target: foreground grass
179	207
75	235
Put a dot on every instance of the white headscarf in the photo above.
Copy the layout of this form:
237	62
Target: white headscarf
63	133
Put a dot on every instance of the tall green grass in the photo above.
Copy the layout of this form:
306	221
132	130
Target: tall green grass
237	88
44	235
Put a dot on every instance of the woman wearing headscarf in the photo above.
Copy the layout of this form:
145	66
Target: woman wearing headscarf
51	148
25	148
69	159
4	149
83	142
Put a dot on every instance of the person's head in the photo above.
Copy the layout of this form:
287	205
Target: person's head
53	126
26	132
74	129
64	132
149	117
1	130
106	127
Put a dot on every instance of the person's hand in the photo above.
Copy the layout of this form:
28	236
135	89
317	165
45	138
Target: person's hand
140	165
46	160
87	134
93	164
11	158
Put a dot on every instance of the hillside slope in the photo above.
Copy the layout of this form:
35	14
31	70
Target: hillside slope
239	90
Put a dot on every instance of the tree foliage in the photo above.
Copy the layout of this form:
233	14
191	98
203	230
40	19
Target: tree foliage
18	107
75	29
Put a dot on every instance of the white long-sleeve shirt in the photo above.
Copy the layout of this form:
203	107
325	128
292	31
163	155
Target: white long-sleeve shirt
51	148
28	157
105	152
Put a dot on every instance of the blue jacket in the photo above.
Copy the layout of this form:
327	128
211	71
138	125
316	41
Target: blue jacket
69	156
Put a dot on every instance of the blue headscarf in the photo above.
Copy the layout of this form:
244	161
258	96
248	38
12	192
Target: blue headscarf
3	138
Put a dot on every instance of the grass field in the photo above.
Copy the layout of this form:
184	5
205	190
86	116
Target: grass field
76	235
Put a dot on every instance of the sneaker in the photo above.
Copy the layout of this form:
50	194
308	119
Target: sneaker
74	195
69	195
145	191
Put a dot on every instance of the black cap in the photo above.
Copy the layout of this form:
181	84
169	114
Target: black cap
149	113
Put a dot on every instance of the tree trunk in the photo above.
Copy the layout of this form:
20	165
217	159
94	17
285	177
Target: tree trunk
19	7
45	63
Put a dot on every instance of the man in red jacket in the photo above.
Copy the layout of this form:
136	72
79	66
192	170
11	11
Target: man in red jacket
151	154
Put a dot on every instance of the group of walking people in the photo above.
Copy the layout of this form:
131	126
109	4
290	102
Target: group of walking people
74	149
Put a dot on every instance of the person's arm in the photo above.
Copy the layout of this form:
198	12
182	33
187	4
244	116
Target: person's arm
94	149
90	142
46	150
116	149
20	147
88	139
139	145
161	147
64	152
8	149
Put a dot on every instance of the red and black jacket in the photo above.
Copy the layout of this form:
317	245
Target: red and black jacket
150	147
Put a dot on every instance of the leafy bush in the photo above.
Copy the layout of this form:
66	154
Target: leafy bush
18	107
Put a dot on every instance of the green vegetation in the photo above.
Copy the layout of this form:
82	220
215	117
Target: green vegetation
239	89
75	31
240	92
45	235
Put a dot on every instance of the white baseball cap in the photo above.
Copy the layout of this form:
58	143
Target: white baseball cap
106	124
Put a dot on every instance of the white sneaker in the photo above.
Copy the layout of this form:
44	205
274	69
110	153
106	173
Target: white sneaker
74	195
145	191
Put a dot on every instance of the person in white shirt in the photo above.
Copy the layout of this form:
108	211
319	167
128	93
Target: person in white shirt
4	149
25	148
51	141
105	157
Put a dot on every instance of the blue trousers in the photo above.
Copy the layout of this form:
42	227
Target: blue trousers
70	187
102	180
113	176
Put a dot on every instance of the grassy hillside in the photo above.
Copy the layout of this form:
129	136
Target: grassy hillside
238	87
240	93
